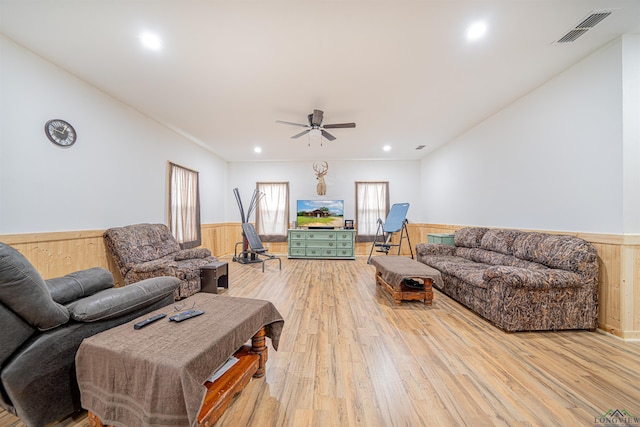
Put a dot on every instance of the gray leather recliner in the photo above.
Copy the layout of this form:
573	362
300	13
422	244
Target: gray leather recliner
43	322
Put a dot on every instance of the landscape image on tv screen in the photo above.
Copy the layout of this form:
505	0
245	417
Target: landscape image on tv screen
320	213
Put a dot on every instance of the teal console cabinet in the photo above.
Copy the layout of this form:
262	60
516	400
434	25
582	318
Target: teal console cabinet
325	244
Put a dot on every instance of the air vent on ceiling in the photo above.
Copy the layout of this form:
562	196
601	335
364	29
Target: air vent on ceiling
420	147
585	25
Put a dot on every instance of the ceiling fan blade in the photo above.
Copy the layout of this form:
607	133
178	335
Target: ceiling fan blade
317	118
328	135
298	135
340	125
289	123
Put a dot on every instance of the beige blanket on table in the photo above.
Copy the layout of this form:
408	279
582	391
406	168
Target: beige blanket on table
155	376
395	268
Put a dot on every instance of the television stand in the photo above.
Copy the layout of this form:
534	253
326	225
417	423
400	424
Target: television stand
321	243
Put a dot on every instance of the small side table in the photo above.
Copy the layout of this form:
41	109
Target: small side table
214	275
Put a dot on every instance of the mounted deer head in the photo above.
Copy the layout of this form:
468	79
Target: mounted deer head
321	169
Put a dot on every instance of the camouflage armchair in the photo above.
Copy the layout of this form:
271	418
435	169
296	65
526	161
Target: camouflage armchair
142	251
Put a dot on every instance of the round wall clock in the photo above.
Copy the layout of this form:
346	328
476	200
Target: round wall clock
60	132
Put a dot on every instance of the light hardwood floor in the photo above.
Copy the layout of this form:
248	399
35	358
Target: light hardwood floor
349	357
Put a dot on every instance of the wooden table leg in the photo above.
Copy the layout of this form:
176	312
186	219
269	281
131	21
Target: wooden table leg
219	395
259	347
94	420
428	288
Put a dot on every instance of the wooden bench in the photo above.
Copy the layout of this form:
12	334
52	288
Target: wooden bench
391	270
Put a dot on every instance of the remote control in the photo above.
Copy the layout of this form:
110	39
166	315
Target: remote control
186	315
149	320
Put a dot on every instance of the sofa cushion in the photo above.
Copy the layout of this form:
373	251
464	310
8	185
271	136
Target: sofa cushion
462	268
426	249
79	284
469	237
558	251
117	302
23	291
500	240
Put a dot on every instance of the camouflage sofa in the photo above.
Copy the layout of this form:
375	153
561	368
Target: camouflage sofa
142	251
520	281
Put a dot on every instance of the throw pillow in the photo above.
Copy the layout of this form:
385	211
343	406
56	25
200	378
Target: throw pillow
469	237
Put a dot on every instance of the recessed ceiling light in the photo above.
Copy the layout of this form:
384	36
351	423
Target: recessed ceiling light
257	150
151	41
387	148
476	31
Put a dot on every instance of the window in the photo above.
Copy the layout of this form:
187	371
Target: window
184	211
272	211
372	203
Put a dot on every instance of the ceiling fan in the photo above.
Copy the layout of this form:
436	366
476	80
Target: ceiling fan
316	126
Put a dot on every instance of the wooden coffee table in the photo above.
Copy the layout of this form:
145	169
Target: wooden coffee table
220	393
158	375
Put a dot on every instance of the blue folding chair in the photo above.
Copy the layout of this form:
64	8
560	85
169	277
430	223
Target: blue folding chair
396	222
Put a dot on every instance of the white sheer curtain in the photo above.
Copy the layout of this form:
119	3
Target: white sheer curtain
372	203
272	211
184	212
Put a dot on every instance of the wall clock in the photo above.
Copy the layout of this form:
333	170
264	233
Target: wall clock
60	132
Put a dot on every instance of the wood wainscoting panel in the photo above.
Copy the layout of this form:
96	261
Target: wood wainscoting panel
609	280
636	292
619	284
218	238
59	253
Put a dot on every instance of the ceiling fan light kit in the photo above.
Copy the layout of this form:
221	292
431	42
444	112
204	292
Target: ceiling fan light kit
315	128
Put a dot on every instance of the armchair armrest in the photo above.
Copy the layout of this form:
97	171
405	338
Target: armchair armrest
535	279
192	253
116	302
79	284
435	249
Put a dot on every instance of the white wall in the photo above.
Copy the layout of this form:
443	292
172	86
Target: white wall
115	174
340	180
552	160
631	133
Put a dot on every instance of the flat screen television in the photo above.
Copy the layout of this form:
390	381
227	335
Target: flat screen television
319	214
